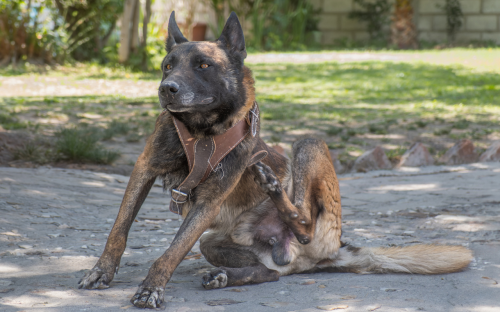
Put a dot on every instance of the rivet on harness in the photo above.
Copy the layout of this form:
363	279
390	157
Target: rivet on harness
204	155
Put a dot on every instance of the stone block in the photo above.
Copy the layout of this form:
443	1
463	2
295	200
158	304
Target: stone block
493	36
491	6
424	23
439	22
328	22
465	37
492	153
347	23
317	4
331	36
430	6
337	6
481	22
437	36
463	152
375	159
471	6
361	36
336	162
418	155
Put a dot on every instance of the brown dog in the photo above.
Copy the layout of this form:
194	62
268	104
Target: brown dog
266	218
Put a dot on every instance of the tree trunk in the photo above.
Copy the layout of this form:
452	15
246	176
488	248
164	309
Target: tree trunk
135	26
125	36
403	33
145	22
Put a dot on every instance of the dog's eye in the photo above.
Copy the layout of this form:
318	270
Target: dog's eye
204	65
169	66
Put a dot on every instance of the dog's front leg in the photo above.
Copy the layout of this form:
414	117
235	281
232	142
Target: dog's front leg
151	290
140	183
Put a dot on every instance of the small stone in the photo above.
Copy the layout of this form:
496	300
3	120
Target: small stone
163	240
374	159
283	292
461	153
416	156
25	246
219	302
110	220
54	235
321	286
308	282
152	240
5	282
492	153
45	215
84	247
276	304
92	235
389	289
336	162
332	307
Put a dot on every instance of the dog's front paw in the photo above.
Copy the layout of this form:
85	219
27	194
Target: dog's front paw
266	179
148	297
96	279
215	279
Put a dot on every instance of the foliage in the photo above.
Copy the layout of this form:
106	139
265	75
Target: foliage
86	25
454	18
24	34
283	25
376	16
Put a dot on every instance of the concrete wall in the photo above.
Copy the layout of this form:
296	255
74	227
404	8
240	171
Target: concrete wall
481	21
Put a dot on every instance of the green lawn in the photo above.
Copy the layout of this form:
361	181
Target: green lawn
352	106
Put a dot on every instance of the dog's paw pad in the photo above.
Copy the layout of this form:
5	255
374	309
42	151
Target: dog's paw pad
265	178
147	297
95	279
215	279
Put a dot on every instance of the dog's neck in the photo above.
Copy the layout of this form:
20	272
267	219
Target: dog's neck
205	124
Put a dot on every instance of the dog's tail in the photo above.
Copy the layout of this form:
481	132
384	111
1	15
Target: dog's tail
417	259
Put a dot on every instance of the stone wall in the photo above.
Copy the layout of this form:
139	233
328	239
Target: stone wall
481	21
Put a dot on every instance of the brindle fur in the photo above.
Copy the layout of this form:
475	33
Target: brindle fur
275	218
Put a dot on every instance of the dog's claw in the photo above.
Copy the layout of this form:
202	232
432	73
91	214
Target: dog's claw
215	279
150	298
294	216
95	279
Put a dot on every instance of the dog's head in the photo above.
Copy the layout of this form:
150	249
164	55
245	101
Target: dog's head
203	81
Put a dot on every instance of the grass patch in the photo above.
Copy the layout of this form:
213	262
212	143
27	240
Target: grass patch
81	145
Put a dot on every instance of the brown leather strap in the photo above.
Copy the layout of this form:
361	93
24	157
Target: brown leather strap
205	154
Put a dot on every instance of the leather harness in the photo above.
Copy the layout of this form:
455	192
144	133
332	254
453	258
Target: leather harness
204	155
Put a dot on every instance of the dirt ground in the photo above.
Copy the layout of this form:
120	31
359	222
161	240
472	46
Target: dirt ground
55	222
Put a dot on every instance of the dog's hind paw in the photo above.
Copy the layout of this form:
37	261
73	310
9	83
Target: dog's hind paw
95	279
148	297
266	179
215	279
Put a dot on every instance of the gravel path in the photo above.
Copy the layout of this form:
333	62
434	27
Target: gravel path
54	224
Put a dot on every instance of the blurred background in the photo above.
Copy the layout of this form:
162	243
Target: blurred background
78	78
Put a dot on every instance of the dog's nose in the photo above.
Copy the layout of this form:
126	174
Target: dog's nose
169	87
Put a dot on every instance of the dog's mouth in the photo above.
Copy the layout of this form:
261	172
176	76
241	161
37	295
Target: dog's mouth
180	107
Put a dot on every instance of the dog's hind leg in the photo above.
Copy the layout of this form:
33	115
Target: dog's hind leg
236	264
315	187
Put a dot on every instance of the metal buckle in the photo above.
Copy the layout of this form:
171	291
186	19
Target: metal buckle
179	193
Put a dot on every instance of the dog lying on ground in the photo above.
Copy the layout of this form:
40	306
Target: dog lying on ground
267	216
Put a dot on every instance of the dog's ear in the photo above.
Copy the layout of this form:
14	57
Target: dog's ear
232	36
174	33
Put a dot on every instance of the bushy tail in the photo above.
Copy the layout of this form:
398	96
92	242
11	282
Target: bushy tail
417	259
